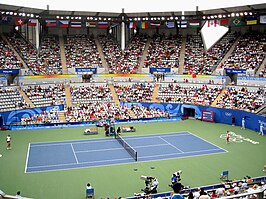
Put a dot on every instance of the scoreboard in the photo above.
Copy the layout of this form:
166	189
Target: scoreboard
207	116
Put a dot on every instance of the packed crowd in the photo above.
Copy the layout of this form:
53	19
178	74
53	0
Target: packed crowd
188	94
10	99
163	52
94	111
199	61
111	51
43	118
8	59
127	61
243	98
89	93
44	61
249	52
136	92
81	51
46	95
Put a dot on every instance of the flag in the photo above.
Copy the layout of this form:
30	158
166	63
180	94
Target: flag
32	22
102	24
252	20
213	23
194	23
114	24
19	21
75	24
170	24
143	25
63	23
224	22
6	20
263	19
236	21
131	25
181	24
155	24
50	23
91	24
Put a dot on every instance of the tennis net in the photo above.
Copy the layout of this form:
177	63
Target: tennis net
128	148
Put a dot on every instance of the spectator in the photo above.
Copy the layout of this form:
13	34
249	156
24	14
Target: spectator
18	195
177	187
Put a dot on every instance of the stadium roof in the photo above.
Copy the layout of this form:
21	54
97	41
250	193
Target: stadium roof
33	10
131	6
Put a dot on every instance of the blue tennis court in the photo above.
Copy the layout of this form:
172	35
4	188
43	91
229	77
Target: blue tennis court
51	156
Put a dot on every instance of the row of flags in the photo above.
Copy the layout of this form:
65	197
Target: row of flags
235	21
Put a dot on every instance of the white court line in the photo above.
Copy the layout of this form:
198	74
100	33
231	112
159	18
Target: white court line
68	142
97	150
56	165
154	136
207	141
154	156
171	144
27	158
74	153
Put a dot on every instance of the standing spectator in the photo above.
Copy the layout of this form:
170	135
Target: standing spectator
8	141
233	120
243	123
177	187
196	194
220	191
261	129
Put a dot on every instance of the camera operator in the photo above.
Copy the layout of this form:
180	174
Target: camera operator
176	177
151	184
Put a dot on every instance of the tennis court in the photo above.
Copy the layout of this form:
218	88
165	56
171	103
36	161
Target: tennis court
65	155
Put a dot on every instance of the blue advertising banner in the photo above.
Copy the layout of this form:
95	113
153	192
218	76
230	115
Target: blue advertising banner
13	117
86	70
221	115
235	71
9	71
160	70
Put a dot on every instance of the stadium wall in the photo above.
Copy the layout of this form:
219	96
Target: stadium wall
14	117
221	115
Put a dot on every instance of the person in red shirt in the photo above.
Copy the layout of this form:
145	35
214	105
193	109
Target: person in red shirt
227	137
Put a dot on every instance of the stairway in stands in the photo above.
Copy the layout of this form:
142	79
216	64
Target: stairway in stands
182	55
15	52
100	50
261	67
144	55
114	94
155	93
68	96
62	54
227	55
62	117
23	94
218	97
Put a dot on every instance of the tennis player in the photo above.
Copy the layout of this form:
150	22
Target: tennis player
8	141
227	137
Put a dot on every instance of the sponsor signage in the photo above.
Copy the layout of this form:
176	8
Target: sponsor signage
86	70
235	71
9	71
160	70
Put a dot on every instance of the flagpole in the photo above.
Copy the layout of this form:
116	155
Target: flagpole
123	31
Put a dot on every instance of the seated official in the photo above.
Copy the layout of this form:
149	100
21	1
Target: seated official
89	191
87	131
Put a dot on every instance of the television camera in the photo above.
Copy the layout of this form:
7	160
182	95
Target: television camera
151	184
